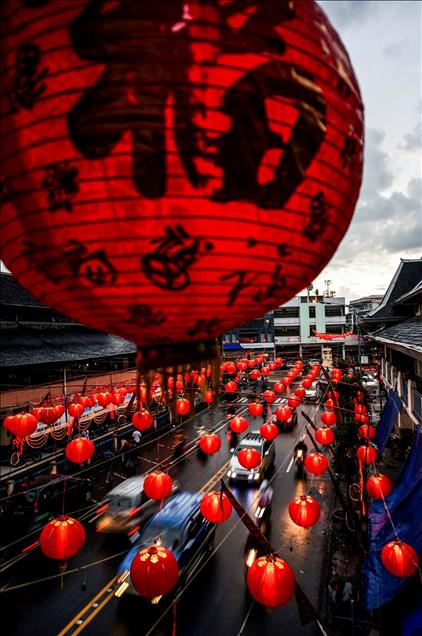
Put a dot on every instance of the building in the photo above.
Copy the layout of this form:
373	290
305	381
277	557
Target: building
255	335
397	326
361	307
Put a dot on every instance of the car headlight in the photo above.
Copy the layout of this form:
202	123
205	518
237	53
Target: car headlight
229	473
250	476
256	476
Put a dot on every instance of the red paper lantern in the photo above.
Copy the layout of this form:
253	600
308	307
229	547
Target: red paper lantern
306	383
324	436
117	398
76	409
300	392
154	571
208	396
9	423
85	401
254	374
104	399
271	581
367	454
210	443
278	387
22	425
329	404
79	450
255	409
158	485
379	486
230	368
268	431
231	387
216	507
62	538
366	431
304	511
364	418
294	402
249	458
287	380
265	371
360	409
50	414
399	558
106	160
269	396
142	420
283	413
238	424
329	418
182	406
316	463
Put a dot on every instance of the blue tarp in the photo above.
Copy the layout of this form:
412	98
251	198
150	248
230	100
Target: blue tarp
387	421
405	506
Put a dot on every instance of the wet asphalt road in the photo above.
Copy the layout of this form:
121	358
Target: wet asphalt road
216	602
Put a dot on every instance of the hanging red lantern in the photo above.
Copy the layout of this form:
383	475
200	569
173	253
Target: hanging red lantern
271	581
399	558
154	571
283	413
117	398
208	396
22	425
366	431
278	387
50	414
269	396
231	387
379	486
324	436
9	423
158	485
131	272
254	374
328	418
142	420
62	538
265	371
182	406
360	396
216	507
272	366
304	511
79	450
238	424
334	395
249	458
104	399
306	383
360	409
287	380
294	402
268	431
300	392
255	409
75	409
210	443
364	418
230	368
316	463
85	401
329	405
367	454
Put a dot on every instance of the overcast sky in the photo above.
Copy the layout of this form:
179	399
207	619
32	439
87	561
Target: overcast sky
383	39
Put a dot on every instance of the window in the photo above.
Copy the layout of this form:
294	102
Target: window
417	405
287	312
334	310
334	329
311	311
287	331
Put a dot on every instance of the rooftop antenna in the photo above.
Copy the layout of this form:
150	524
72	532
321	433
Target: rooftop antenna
328	293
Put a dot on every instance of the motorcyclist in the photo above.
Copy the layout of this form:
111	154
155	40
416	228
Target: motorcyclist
265	494
299	454
179	444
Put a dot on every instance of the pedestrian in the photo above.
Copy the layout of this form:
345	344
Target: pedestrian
136	436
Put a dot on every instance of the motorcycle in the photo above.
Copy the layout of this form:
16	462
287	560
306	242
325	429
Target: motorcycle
299	458
261	517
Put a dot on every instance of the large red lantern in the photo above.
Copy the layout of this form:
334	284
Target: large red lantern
324	436
22	425
208	396
399	558
366	431
294	402
283	413
306	383
142	419
238	424
255	409
265	371
231	387
154	571
230	368
360	409
316	463
328	418
367	454
304	511
249	458
62	538
254	374
50	414
126	166
379	486
210	443
104	399
268	431
76	409
216	507
271	581
300	392
278	387
182	406
158	485
79	450
269	396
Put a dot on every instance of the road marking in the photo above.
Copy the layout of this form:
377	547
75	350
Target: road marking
290	465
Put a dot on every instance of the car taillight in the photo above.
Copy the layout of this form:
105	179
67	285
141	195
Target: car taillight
102	509
134	511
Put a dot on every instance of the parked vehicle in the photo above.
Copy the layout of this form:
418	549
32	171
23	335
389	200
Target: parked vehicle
313	393
254	476
127	506
179	527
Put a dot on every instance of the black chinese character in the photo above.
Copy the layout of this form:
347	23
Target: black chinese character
167	267
72	261
319	216
242	280
349	152
278	283
283	250
144	316
28	82
204	326
61	183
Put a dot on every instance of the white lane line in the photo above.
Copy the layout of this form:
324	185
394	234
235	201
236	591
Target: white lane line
290	465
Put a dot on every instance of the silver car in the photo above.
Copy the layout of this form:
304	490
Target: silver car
253	476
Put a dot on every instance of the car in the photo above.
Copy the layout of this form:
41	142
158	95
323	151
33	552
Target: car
286	425
179	527
369	382
237	472
312	393
126	506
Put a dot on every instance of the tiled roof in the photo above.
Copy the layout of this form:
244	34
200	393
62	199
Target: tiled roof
407	334
11	293
24	345
413	293
407	276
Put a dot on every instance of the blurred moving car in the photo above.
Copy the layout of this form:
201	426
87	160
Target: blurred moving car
126	506
254	476
179	527
313	393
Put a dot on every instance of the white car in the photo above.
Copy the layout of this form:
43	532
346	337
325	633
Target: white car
237	472
312	393
369	382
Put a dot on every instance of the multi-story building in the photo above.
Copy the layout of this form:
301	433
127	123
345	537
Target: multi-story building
256	334
360	307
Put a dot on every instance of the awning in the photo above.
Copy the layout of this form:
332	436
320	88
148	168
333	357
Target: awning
387	421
